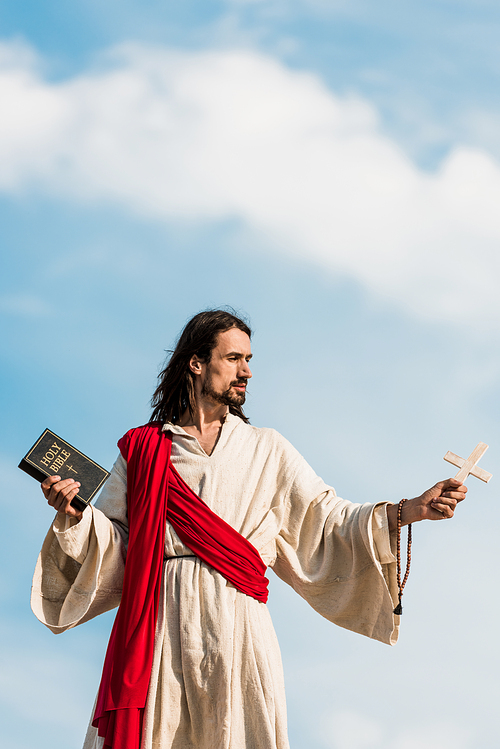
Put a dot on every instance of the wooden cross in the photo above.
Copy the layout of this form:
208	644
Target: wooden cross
469	466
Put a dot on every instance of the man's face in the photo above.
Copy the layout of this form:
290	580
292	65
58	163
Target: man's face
224	378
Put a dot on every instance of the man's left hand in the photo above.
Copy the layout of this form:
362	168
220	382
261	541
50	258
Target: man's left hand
437	503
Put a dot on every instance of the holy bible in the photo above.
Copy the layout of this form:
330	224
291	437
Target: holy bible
53	456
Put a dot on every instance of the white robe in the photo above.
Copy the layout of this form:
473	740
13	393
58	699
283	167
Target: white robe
217	679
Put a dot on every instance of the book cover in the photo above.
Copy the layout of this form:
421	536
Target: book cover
53	456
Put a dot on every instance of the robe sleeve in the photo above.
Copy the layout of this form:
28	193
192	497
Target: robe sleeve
327	552
79	572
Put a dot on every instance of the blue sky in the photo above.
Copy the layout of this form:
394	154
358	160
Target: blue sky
332	170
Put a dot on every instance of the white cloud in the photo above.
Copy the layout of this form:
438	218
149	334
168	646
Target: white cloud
439	736
210	135
349	729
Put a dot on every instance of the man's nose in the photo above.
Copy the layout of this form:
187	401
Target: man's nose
245	370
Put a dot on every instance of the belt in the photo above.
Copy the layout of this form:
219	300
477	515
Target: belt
181	556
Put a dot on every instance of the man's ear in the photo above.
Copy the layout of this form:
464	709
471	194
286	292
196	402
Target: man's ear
195	365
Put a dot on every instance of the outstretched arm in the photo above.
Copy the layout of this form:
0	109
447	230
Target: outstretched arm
437	503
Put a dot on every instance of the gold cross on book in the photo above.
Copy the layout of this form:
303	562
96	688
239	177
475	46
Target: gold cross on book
469	466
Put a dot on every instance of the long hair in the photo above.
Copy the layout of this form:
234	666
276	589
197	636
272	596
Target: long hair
175	391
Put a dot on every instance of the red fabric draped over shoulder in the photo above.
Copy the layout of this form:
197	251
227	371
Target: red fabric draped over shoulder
156	493
127	666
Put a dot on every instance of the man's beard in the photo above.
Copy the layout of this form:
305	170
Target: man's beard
226	397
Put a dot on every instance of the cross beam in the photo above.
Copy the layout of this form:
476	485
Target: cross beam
469	466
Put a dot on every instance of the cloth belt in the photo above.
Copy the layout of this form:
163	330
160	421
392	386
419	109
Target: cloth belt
181	556
156	493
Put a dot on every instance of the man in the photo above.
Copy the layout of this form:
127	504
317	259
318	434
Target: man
213	677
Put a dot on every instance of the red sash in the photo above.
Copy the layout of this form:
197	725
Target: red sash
157	493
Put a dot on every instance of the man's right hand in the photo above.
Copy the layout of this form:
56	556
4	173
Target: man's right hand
60	493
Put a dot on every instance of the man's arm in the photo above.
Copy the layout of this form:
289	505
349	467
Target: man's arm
437	503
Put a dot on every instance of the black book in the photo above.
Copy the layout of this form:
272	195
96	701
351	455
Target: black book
53	456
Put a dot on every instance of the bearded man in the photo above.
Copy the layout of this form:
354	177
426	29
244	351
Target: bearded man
198	504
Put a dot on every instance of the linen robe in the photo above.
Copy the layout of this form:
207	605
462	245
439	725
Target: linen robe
217	679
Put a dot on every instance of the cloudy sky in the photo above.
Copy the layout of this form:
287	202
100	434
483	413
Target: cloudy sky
332	170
